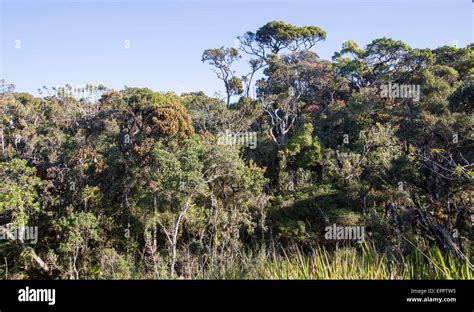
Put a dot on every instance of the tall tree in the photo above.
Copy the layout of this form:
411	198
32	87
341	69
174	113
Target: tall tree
222	59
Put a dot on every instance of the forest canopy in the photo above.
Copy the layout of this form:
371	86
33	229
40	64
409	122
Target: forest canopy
134	183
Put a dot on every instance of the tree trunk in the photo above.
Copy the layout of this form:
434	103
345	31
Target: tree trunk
174	240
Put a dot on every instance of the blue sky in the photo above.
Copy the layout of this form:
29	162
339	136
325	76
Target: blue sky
83	41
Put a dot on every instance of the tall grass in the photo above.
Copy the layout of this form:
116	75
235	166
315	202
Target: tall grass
362	262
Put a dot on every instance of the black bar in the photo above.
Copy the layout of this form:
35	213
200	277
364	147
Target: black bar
226	295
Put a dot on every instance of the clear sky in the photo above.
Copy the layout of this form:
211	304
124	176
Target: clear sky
52	42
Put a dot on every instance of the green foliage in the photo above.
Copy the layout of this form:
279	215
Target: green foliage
305	147
19	198
137	184
277	35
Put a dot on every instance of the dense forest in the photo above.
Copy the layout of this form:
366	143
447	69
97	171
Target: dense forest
358	167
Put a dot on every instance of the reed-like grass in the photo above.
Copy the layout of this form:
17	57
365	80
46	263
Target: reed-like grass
361	262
